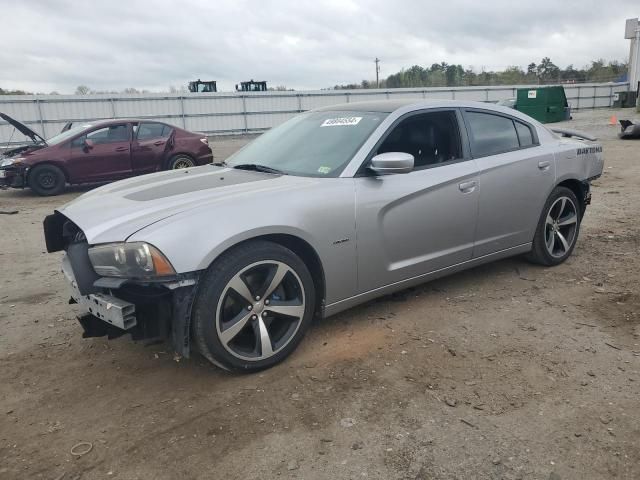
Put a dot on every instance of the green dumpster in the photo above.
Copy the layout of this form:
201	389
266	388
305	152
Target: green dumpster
619	99
624	99
545	104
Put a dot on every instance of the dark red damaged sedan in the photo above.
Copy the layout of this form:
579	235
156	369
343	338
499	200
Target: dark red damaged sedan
99	151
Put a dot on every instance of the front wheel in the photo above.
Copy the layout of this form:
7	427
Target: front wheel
253	307
558	228
46	180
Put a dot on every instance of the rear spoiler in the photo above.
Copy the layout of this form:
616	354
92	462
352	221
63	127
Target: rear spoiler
566	132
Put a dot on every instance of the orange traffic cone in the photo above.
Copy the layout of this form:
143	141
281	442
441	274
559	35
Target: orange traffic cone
613	120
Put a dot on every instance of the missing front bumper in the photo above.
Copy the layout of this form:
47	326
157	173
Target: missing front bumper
13	177
160	311
110	309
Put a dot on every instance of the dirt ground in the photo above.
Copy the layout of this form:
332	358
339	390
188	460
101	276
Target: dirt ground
504	371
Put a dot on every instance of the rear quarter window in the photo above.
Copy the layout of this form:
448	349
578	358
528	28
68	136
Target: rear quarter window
524	134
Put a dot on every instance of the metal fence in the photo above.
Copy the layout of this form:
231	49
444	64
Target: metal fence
235	113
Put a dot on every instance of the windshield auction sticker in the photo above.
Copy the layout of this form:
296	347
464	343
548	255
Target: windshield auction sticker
341	122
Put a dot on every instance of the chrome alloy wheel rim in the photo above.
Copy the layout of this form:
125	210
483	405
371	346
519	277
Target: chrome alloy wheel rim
561	226
260	310
182	164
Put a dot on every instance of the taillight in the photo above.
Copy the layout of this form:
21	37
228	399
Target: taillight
205	140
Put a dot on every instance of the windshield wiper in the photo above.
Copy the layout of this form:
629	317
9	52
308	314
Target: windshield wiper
220	164
258	168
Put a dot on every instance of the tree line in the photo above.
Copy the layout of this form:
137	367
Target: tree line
447	75
450	75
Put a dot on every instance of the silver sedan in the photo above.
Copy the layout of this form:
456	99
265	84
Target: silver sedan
332	208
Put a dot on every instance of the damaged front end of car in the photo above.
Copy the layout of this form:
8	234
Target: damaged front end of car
13	169
13	172
123	288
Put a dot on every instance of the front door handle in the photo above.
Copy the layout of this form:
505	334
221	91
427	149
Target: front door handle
122	149
544	165
468	187
159	142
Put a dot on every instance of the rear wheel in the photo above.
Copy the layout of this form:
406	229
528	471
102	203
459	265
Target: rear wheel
558	228
253	307
46	180
181	161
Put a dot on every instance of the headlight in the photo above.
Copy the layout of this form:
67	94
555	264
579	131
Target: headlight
10	161
130	260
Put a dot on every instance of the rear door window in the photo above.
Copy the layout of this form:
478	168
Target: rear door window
491	134
147	131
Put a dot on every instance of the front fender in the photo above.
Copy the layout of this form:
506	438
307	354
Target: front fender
245	235
322	214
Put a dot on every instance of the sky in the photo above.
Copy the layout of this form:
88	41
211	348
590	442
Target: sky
56	45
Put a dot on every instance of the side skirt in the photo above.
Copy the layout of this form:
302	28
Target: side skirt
347	303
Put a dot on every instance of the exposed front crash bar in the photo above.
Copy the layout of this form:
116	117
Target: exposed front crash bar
107	308
13	177
145	311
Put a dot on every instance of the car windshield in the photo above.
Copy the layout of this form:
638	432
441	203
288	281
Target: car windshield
313	144
61	137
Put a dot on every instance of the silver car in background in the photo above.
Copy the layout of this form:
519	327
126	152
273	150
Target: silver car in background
330	209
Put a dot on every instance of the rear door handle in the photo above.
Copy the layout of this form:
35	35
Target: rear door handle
544	165
468	187
159	142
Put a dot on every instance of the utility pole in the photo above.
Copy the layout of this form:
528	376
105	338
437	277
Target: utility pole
377	62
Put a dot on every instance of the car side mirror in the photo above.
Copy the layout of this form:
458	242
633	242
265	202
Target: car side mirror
88	144
392	162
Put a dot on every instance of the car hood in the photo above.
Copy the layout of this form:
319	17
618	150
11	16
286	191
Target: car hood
22	150
22	128
114	212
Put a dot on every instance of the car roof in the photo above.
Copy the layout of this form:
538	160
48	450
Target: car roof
388	106
109	121
407	105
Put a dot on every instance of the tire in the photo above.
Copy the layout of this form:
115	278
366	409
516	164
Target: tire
180	161
237	329
46	180
558	228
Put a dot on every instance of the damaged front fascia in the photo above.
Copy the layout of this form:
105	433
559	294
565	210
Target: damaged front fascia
181	319
174	295
173	325
183	290
16	177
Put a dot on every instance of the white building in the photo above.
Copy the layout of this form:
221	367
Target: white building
632	32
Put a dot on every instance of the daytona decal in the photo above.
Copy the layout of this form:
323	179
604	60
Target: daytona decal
588	150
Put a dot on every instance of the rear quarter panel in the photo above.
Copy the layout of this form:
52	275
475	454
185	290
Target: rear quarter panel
578	160
189	143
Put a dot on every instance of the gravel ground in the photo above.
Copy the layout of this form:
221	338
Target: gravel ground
505	371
